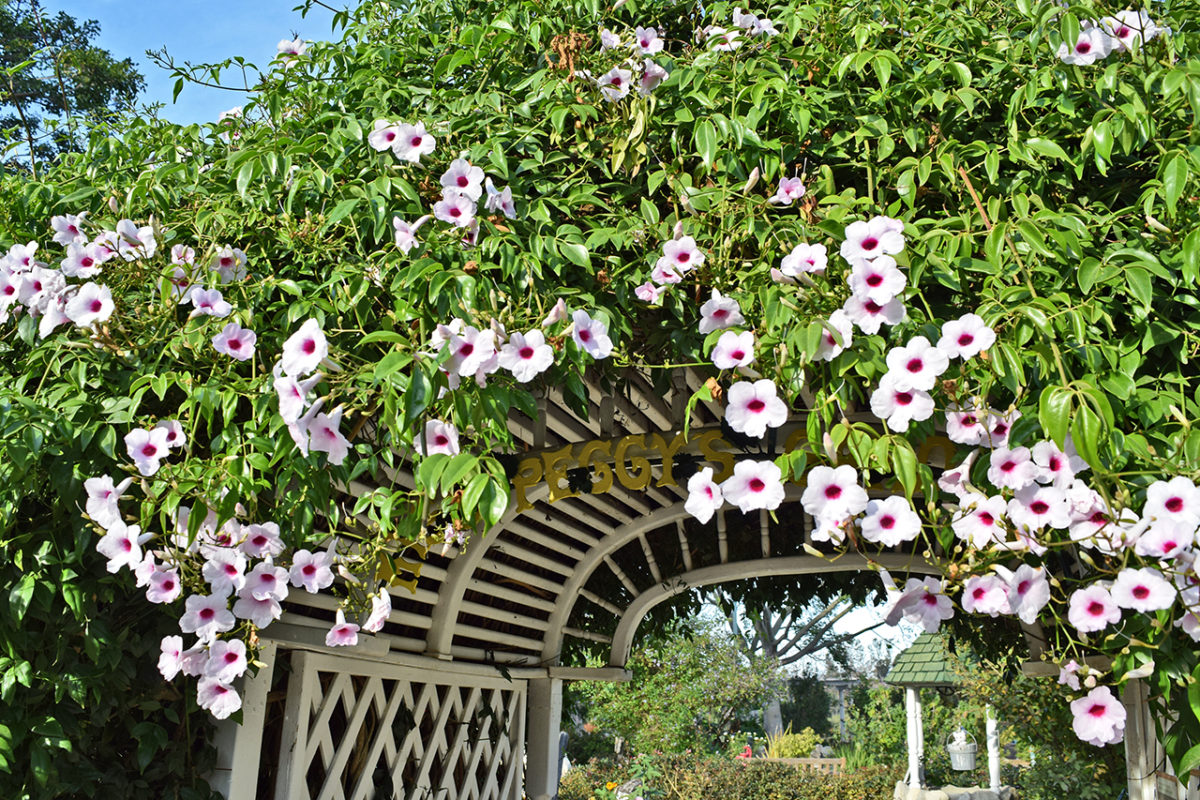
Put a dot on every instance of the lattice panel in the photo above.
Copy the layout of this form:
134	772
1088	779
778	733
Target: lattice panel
358	730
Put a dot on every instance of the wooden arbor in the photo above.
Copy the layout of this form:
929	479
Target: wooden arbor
467	675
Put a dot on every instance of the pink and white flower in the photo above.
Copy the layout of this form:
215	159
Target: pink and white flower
890	521
463	178
384	135
230	264
381	609
1028	591
680	255
1092	45
175	434
733	350
312	572
649	292
206	616
879	280
1012	469
147	448
342	634
754	485
838	334
1143	590
929	604
236	342
704	496
957	481
918	362
68	229
1092	609
208	302
84	260
1099	717
218	698
90	305
608	40
259	612
980	519
406	235
1175	501
869	315
720	312
647	41
122	546
868	240
997	428
754	407
225	571
170	660
805	258
790	190
652	75
293	394
724	40
455	208
833	493
898	404
615	84
591	335
226	660
267	581
965	337
440	437
1057	467
325	436
499	201
412	142
526	355
1126	29
304	349
261	540
985	594
102	497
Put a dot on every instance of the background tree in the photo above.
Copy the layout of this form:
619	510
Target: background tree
50	71
689	689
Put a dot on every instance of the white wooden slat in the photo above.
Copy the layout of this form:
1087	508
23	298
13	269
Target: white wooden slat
499	637
621	576
512	595
764	527
591	636
685	548
517	575
508	616
514	550
650	560
722	537
611	608
567	546
328	602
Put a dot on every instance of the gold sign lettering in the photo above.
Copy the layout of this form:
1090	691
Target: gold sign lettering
556	465
529	474
601	470
641	474
668	456
707	442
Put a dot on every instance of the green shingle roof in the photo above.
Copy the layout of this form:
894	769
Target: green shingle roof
922	664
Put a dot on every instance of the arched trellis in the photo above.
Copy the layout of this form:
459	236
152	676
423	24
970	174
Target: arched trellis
596	529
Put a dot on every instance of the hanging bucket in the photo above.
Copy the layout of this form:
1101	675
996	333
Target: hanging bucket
962	754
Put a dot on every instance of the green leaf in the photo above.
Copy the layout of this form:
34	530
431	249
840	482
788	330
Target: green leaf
1054	413
418	395
1139	283
904	464
474	491
459	466
1086	428
244	176
1048	148
576	253
493	502
20	595
1174	179
705	138
393	362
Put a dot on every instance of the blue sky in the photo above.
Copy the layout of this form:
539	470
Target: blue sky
200	32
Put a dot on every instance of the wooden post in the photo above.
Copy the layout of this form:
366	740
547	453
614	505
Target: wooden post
1140	743
916	736
239	746
544	718
993	750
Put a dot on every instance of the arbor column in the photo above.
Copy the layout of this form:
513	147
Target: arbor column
993	751
916	737
543	720
235	775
